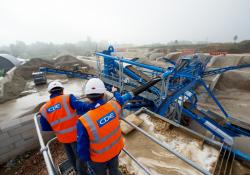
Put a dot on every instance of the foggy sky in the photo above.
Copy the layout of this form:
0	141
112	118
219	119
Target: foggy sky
123	21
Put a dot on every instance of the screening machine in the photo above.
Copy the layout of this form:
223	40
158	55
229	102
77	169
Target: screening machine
173	95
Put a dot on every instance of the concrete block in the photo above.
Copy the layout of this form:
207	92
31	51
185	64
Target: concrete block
29	134
31	143
27	119
23	146
6	149
19	144
4	136
10	155
214	82
10	140
17	150
10	125
27	142
21	129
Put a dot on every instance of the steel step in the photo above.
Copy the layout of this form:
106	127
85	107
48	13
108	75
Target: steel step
225	163
65	168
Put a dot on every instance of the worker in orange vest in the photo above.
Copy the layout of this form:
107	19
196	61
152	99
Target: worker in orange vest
59	115
99	138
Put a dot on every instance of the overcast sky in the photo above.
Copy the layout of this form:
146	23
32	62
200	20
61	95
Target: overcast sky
123	21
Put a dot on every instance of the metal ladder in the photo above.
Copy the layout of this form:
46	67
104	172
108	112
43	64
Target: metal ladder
225	164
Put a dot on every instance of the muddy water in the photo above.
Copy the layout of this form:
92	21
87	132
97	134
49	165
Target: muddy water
159	161
18	107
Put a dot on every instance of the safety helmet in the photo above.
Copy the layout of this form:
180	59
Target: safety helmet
95	86
55	84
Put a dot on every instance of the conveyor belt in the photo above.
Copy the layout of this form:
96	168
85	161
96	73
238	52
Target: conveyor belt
240	122
206	113
142	75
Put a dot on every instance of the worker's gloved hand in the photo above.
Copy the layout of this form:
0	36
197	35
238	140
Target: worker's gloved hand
114	89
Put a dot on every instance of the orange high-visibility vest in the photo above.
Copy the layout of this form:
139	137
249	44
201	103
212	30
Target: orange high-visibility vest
61	117
103	127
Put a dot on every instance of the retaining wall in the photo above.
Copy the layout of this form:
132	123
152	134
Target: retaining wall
18	136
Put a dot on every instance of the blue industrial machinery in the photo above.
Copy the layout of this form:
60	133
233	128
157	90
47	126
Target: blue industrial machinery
67	72
174	95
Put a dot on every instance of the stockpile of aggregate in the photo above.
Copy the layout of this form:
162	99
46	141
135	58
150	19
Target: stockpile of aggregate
237	79
23	73
67	61
232	88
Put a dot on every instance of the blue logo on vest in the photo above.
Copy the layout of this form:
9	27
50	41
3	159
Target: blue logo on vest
105	119
54	108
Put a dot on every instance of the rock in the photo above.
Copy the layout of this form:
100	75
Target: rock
126	128
161	126
123	168
26	156
34	162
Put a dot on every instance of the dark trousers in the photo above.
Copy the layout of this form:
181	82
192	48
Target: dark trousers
110	167
71	151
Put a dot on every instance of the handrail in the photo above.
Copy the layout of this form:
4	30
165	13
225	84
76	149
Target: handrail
47	145
44	150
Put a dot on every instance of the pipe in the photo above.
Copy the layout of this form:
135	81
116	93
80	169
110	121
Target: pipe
44	149
130	95
163	145
144	87
49	153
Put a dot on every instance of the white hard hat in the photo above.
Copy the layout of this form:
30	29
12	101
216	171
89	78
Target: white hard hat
54	84
95	86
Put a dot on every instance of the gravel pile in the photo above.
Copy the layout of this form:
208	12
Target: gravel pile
23	73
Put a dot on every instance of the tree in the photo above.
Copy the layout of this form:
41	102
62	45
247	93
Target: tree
235	38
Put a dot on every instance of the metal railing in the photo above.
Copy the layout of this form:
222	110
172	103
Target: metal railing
44	150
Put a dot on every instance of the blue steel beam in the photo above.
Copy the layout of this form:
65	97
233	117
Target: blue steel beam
214	98
164	107
150	67
67	72
212	127
224	69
